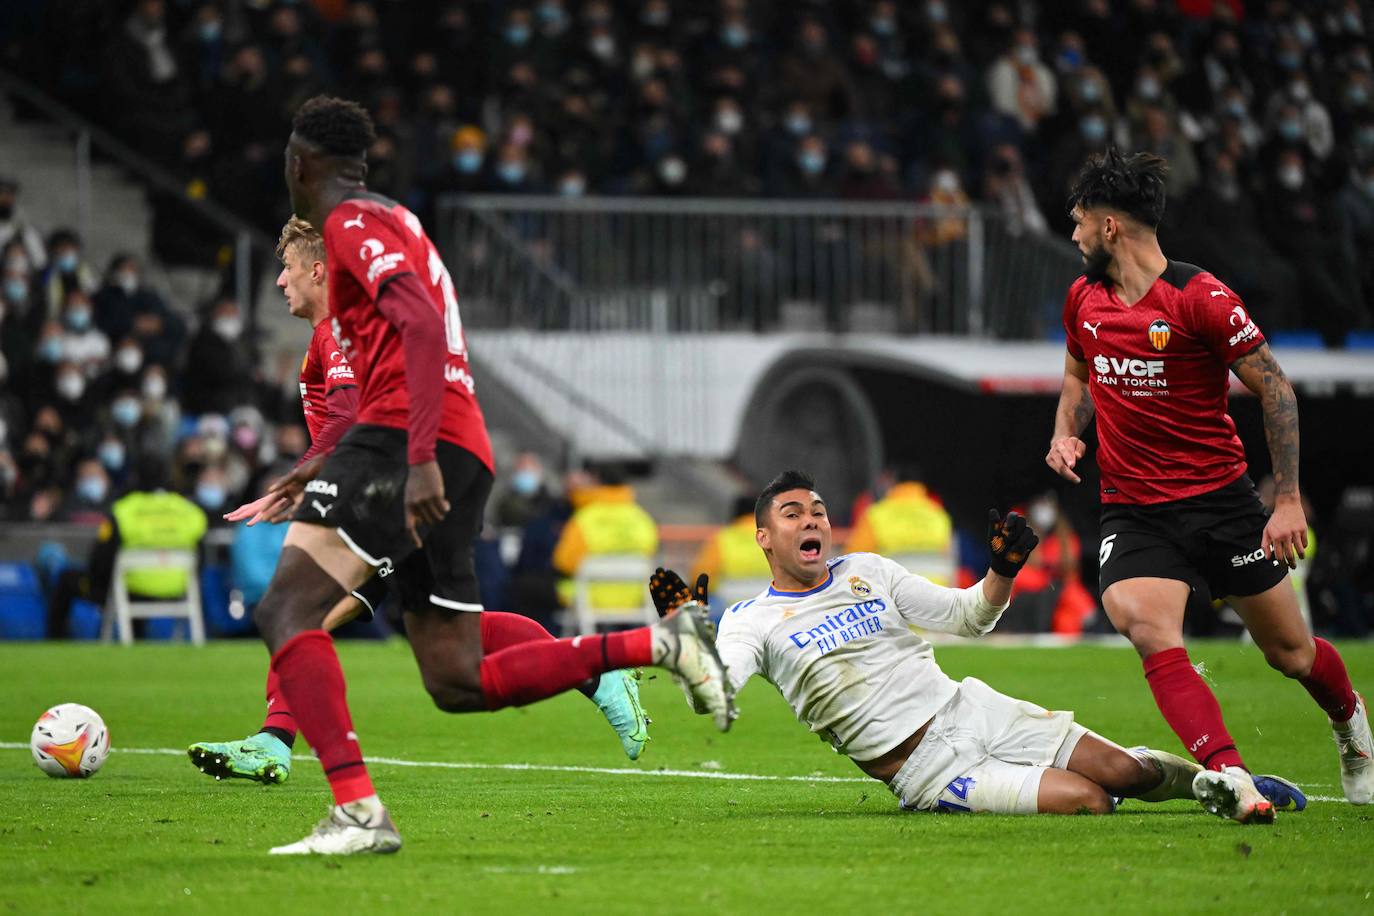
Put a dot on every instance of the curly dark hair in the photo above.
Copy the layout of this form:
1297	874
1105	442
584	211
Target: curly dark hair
337	126
787	480
1132	184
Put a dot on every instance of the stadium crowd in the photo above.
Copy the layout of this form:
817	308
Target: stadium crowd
1265	111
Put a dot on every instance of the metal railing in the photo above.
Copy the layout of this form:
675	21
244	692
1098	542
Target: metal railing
698	265
88	138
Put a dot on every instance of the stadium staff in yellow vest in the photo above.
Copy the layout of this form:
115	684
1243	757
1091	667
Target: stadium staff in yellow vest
908	525
732	556
605	520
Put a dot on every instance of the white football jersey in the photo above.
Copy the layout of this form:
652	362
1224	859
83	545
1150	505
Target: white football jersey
843	653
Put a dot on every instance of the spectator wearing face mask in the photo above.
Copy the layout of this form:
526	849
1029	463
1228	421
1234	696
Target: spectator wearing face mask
218	373
1006	188
1089	135
809	174
1296	116
16	227
526	496
126	307
82	342
1020	85
88	500
1158	134
67	271
72	395
16	335
466	171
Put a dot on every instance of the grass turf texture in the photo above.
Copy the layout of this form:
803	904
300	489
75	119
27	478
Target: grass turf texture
150	834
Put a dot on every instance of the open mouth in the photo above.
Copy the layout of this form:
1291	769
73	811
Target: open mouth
810	548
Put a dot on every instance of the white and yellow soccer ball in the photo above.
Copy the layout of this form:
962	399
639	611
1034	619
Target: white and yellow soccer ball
70	741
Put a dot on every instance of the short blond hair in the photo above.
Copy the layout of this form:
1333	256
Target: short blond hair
304	237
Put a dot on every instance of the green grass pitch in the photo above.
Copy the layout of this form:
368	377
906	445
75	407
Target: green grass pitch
150	834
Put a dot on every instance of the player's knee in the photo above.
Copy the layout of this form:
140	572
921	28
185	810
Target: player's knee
1089	798
449	696
1291	661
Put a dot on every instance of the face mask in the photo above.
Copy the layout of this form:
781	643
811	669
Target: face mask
210	495
66	262
672	171
1148	88
525	483
468	161
1025	55
517	35
572	187
811	162
210	30
1290	130
91	489
71	386
1352	21
125	411
1291	177
1364	138
553	16
228	328
1070	59
881	25
50	349
734	36
16	290
656	17
127	280
1228	189
603	46
1304	33
511	172
1093	129
729	121
111	454
798	125
1043	516
1357	95
1289	60
154	387
1236	109
78	319
1300	92
129	360
1367	184
1091	91
946	182
937	12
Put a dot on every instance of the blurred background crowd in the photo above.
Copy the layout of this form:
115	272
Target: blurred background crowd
1265	111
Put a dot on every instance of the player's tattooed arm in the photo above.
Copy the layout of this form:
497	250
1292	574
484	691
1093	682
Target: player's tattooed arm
1260	372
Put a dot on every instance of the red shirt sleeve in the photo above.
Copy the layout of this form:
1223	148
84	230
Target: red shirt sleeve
1221	321
366	244
342	404
407	305
1071	319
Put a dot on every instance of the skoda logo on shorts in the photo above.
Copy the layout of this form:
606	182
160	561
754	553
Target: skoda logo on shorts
1159	333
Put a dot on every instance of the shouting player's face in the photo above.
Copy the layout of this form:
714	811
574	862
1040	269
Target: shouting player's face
797	538
303	282
1089	234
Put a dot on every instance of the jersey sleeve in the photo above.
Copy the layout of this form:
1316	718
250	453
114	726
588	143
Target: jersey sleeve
740	649
337	372
1221	320
366	244
1071	319
922	603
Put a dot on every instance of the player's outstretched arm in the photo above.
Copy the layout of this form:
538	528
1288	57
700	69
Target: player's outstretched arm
1074	413
1285	536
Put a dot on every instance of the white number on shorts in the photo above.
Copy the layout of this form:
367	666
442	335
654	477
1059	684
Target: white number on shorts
1105	550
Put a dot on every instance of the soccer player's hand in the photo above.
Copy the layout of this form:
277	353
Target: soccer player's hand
261	509
1285	536
1011	541
425	503
1064	454
286	492
670	592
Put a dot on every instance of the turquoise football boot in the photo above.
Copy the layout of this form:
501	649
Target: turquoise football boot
617	696
261	757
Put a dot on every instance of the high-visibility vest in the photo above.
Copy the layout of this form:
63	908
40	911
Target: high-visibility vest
610	522
152	521
911	527
732	553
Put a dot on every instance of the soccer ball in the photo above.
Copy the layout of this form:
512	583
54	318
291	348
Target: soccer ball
70	740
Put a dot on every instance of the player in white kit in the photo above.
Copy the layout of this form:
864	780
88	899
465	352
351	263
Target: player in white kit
835	638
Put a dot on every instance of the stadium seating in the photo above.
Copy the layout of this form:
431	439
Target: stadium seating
23	612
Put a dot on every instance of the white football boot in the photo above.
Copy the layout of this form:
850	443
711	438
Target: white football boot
1231	793
682	644
346	833
1356	744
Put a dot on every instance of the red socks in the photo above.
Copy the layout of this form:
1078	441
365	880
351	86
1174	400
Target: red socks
1329	683
530	671
308	672
501	630
279	716
1191	709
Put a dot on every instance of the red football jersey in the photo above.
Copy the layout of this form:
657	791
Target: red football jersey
324	370
1158	372
368	241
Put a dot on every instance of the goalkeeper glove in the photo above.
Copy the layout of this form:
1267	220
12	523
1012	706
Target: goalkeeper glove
1011	541
670	592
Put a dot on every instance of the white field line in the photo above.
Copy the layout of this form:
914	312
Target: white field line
530	767
555	768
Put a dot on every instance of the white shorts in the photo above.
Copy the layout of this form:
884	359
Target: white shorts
985	751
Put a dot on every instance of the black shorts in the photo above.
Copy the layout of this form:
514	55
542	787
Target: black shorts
370	595
360	492
1210	542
